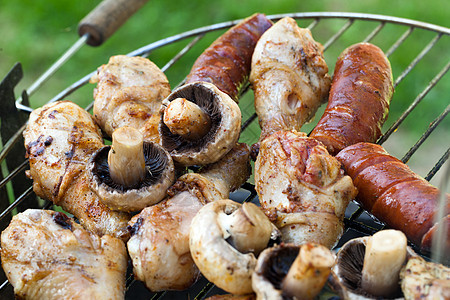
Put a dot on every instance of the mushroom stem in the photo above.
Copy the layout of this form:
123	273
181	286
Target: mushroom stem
187	119
309	272
384	257
126	158
248	228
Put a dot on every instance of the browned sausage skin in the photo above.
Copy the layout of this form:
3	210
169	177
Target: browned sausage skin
226	62
394	193
359	99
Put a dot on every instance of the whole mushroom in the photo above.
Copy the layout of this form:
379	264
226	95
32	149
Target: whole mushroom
289	271
199	124
131	174
369	267
224	238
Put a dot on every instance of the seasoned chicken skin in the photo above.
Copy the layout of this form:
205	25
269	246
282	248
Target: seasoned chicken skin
302	188
129	92
159	243
46	255
420	279
60	138
289	77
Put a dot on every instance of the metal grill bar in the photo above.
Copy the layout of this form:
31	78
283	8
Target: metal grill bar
16	202
426	134
416	101
182	52
11	142
399	41
417	59
438	165
313	24
338	34
374	32
12	174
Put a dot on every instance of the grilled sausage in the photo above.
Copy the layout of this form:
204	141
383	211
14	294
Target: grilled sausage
393	193
359	99
226	62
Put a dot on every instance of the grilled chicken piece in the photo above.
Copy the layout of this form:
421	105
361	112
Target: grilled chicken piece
425	280
129	92
302	188
159	243
60	139
289	77
46	255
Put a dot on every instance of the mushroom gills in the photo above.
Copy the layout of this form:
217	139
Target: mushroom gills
347	273
202	98
199	124
289	271
384	256
187	119
154	167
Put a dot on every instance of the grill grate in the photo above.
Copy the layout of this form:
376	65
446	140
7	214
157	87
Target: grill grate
326	30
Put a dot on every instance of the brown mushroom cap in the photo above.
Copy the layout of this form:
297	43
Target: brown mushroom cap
160	175
224	132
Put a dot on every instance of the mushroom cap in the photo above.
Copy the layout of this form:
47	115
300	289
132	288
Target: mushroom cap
272	266
215	257
160	175
346	275
225	126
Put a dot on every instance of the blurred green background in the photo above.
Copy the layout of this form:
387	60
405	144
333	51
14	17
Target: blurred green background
37	32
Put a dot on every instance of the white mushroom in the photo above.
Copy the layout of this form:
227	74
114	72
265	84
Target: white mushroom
347	274
289	271
131	174
384	257
213	236
199	124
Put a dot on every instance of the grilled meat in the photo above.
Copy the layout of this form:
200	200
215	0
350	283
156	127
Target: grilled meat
289	77
129	92
60	139
46	255
425	280
302	188
159	243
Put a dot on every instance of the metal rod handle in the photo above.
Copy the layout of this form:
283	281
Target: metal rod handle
106	18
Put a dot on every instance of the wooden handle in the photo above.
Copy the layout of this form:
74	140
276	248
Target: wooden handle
106	18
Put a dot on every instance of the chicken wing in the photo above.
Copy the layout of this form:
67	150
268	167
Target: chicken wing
60	138
46	255
129	92
302	188
289	77
159	243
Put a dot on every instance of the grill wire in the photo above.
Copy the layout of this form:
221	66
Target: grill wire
357	221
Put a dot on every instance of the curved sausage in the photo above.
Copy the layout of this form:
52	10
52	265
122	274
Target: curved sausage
226	62
393	193
359	98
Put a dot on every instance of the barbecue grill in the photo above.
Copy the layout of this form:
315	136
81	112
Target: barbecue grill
420	76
